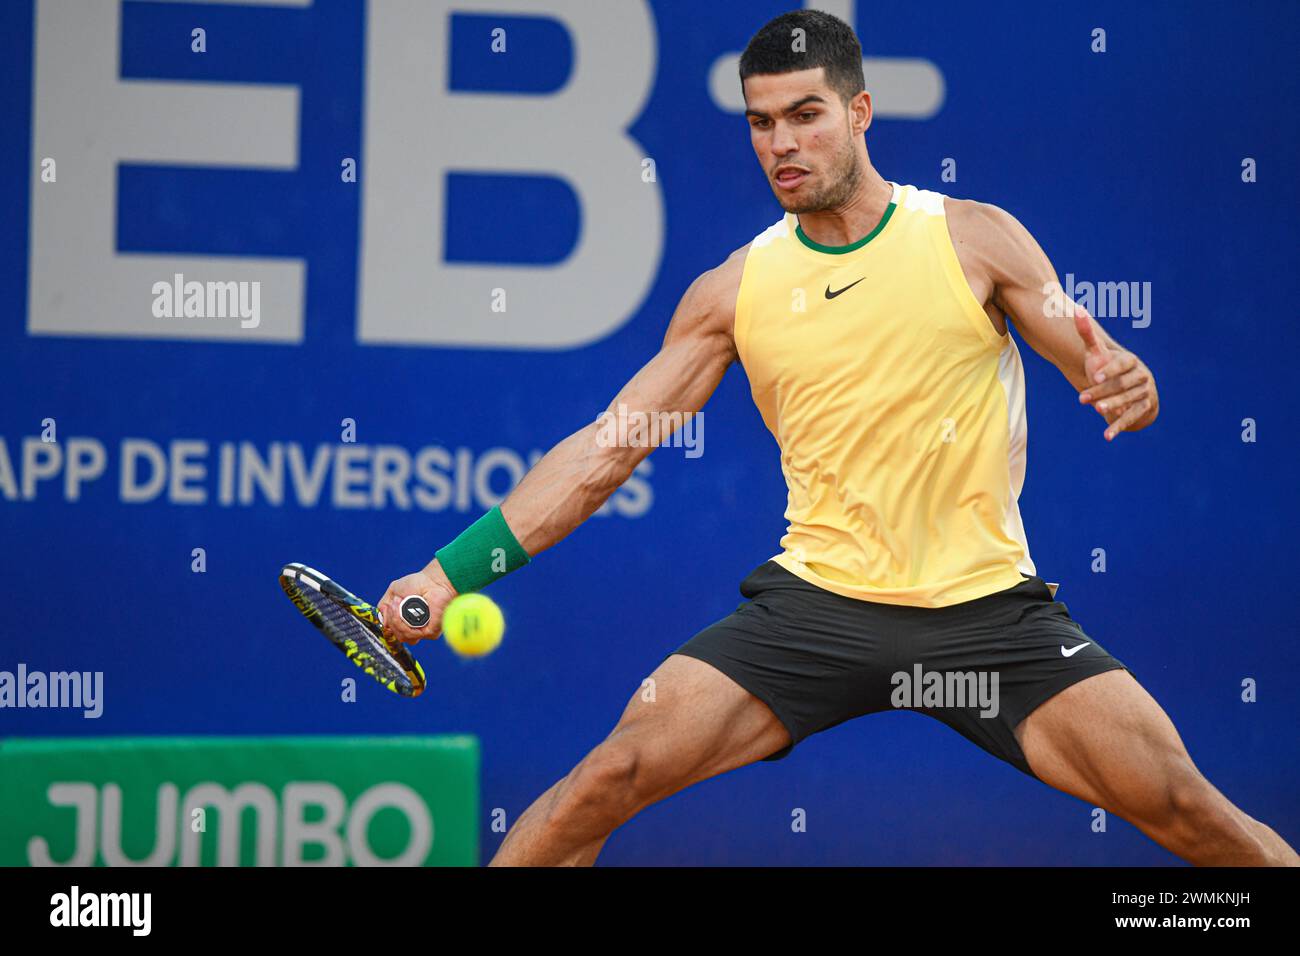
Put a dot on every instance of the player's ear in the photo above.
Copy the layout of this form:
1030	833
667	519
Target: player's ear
860	112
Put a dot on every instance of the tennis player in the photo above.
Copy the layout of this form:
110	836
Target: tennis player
871	321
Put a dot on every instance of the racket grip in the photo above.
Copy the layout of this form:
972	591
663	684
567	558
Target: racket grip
415	611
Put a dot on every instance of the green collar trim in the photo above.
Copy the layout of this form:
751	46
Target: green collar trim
841	250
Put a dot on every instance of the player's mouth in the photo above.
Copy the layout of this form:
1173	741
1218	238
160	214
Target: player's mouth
789	177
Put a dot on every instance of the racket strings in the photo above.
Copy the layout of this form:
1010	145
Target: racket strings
352	626
341	625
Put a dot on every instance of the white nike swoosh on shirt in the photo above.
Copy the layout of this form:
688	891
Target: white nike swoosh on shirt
1070	652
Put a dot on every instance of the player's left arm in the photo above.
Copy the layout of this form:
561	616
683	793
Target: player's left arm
1108	376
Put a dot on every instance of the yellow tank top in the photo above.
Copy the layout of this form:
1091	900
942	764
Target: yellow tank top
898	408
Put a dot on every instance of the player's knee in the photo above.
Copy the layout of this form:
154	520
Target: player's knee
614	764
1193	798
605	783
1182	798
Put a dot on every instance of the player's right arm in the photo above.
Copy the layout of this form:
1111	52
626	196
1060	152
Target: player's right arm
578	474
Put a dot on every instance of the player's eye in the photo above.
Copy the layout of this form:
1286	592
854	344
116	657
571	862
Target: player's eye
807	115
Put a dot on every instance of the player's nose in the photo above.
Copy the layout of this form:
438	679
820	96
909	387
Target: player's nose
783	141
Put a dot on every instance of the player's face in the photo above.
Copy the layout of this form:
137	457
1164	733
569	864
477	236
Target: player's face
803	139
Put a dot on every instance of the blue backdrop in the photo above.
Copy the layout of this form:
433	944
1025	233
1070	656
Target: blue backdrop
1126	164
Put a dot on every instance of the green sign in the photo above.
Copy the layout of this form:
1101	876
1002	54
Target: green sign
239	801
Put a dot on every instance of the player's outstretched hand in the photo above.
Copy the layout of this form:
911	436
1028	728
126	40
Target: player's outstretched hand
1120	386
433	586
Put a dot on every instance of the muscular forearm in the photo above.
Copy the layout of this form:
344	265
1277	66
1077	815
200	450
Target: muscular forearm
571	481
561	491
581	472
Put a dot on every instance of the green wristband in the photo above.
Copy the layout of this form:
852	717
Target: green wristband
483	552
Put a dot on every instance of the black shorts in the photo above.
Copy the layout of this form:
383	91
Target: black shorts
818	659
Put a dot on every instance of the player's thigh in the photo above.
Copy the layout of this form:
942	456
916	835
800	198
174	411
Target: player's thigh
1107	741
689	721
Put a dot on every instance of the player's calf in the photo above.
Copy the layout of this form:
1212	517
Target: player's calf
1106	741
1202	826
698	723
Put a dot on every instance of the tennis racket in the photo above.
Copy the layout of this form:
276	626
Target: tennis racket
357	629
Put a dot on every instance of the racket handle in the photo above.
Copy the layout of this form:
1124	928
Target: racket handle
415	611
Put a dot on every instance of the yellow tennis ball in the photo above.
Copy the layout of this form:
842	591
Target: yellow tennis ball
473	625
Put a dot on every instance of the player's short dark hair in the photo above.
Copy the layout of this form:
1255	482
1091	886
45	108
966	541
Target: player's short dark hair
830	43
